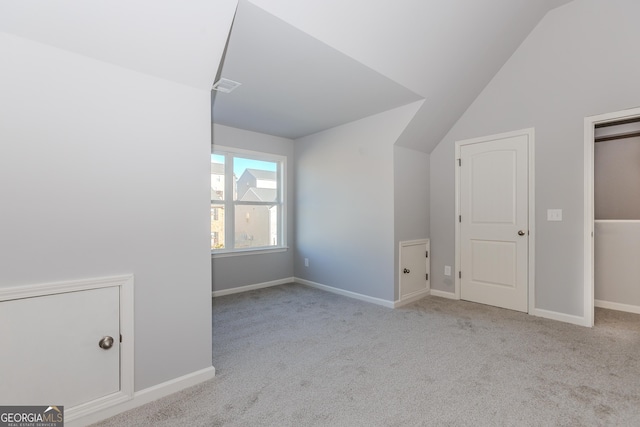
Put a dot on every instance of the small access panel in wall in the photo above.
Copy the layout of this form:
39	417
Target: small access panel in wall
61	345
414	270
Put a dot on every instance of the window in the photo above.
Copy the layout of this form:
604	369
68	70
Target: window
247	200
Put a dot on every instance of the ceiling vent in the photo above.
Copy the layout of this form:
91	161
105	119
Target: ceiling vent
225	85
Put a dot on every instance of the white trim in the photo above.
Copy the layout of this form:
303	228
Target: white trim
617	221
414	242
456	262
411	298
444	294
40	289
589	217
241	252
361	297
240	289
530	133
562	317
230	204
617	306
145	396
126	311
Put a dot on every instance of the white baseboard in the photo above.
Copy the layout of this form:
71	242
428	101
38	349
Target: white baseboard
443	294
145	396
252	287
617	306
413	297
562	317
361	297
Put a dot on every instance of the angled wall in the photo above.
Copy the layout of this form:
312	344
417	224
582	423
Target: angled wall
104	171
579	61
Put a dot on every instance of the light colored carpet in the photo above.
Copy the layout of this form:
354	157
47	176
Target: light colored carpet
296	356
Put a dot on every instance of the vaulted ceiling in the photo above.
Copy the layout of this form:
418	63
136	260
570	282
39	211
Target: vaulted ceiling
292	84
321	60
305	65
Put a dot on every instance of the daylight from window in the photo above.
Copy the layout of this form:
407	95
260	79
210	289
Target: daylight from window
245	203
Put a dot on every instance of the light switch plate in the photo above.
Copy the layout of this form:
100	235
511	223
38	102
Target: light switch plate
447	270
554	214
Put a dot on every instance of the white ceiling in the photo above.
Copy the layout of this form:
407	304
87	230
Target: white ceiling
181	41
327	61
445	51
293	84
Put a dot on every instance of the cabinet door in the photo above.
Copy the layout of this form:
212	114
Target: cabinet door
413	268
50	353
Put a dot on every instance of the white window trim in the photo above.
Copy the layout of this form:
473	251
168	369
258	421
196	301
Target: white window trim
282	189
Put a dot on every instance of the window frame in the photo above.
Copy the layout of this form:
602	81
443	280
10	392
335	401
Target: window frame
229	203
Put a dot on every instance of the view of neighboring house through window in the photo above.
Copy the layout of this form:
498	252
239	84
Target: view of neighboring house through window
246	200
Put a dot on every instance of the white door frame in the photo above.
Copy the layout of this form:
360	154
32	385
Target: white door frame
589	196
529	132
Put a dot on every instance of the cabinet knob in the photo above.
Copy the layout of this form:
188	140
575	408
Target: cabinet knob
106	343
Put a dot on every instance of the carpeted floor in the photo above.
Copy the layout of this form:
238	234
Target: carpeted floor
296	356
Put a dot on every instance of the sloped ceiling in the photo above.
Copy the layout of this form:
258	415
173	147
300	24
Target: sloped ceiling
445	51
181	41
294	85
387	52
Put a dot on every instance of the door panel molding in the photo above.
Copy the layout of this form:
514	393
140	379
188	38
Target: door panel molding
529	133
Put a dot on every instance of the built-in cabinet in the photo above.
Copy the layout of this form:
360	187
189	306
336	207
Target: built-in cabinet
67	344
414	270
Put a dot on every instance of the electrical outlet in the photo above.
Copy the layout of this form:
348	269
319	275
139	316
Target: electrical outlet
554	214
447	270
306	262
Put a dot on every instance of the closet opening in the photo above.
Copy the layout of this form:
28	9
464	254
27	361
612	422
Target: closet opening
612	213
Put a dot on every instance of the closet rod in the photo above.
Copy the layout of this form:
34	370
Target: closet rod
617	136
618	122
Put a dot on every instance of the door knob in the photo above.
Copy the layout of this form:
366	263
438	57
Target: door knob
521	233
406	271
106	343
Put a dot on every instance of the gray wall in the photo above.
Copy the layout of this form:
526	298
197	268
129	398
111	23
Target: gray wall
617	271
579	61
616	179
411	198
242	270
345	204
104	171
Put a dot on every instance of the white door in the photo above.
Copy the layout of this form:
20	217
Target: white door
50	353
414	263
494	220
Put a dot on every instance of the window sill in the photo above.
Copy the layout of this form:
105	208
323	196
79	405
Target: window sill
240	252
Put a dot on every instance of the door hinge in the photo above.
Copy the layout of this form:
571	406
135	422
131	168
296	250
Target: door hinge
427	255
427	276
459	162
459	218
459	274
120	337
